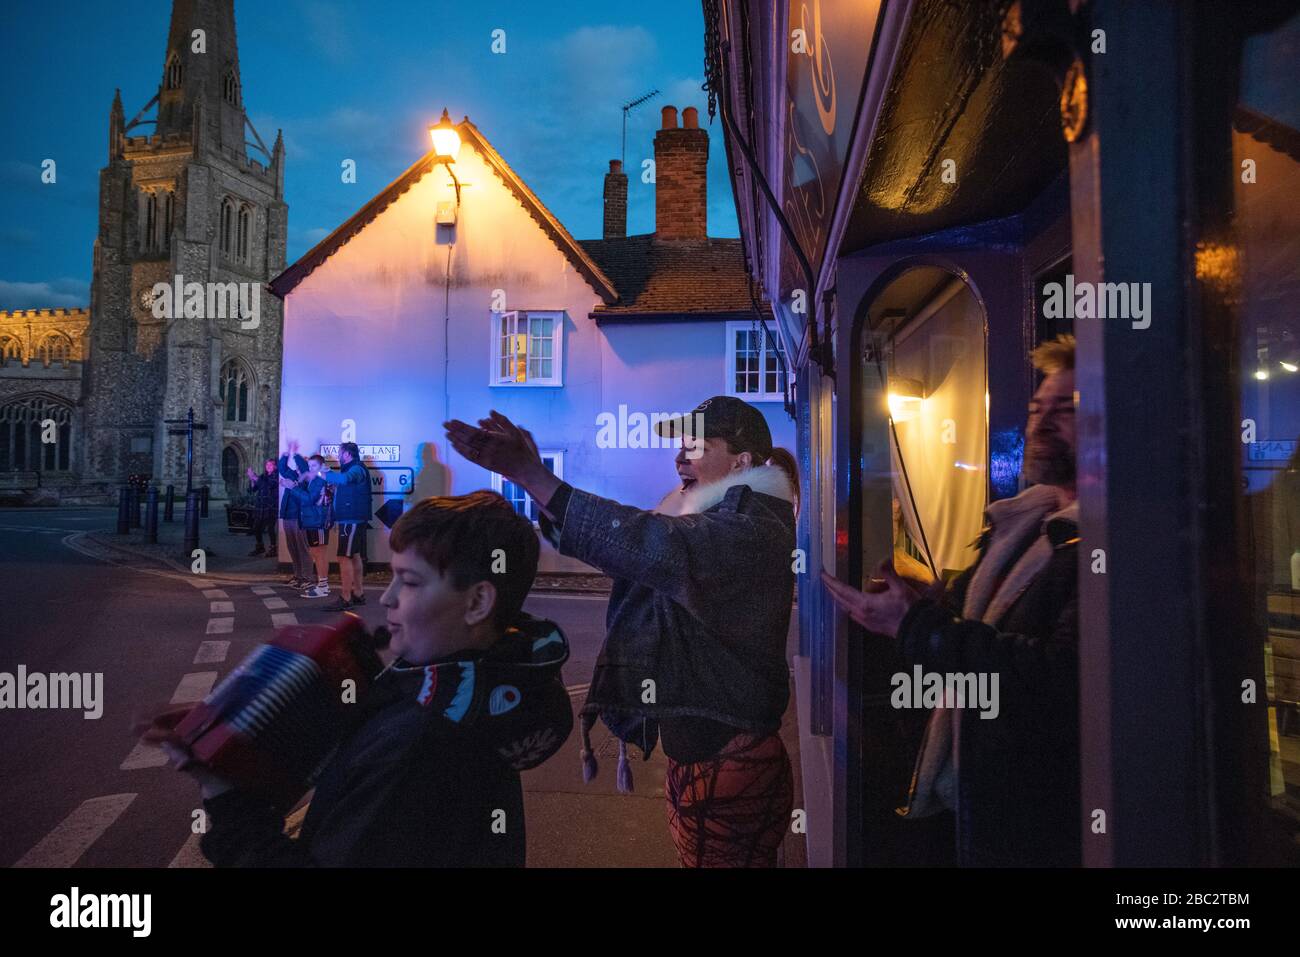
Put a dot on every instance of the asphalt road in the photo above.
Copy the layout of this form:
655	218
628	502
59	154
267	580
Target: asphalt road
83	792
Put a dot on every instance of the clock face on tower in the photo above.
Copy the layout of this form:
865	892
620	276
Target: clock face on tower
147	298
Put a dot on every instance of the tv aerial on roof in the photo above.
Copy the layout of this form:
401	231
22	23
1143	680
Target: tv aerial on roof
628	108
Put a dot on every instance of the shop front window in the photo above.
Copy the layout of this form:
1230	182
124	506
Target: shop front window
1254	267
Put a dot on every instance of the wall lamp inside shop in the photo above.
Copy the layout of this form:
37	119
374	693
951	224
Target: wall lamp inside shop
446	146
905	398
1290	366
1261	374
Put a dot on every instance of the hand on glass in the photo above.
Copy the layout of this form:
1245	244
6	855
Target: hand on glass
293	446
885	602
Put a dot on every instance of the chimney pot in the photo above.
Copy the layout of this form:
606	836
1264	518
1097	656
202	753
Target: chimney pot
615	201
681	175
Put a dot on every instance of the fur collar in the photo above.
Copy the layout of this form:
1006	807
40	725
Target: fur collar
767	479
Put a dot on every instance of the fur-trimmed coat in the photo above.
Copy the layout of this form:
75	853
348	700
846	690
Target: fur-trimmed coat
700	607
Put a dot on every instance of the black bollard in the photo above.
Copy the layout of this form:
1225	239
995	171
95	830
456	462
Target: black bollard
138	518
167	506
132	505
151	516
191	522
123	514
203	502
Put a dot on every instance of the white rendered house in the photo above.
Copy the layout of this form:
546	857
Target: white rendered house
426	305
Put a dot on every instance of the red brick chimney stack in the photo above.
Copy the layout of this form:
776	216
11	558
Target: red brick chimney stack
615	201
681	177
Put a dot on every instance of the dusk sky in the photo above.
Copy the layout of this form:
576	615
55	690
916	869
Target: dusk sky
345	80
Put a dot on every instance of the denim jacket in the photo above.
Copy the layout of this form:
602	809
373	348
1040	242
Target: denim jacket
700	606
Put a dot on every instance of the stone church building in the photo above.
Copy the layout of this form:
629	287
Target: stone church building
181	201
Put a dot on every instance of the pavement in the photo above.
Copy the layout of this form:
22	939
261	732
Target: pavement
84	793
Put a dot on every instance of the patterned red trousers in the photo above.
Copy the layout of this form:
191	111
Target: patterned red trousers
733	809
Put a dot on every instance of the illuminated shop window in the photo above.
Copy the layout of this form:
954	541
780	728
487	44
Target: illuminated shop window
755	367
527	348
520	500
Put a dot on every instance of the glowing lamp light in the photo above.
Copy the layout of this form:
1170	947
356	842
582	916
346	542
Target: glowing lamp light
905	398
1290	367
446	139
1261	374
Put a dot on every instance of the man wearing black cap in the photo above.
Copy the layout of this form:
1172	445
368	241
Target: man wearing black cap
694	652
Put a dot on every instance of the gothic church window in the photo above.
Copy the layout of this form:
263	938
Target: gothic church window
234	390
227	237
149	222
230	87
10	349
22	426
245	233
175	72
54	348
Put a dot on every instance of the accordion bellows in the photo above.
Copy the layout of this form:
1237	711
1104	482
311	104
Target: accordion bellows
273	722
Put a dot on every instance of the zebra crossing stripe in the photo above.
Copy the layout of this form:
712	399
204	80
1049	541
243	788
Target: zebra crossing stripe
143	756
64	845
189	855
194	687
215	593
283	619
211	652
275	604
220	626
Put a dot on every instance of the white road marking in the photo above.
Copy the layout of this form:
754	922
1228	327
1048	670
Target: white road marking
211	652
275	604
143	756
221	608
189	855
281	620
64	845
194	687
215	593
263	590
220	626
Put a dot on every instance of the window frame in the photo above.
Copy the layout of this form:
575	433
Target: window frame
498	482
556	379
729	370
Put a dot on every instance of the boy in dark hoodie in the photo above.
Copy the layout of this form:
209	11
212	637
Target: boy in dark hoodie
429	775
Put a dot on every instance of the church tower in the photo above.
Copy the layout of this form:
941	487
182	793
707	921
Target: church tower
182	204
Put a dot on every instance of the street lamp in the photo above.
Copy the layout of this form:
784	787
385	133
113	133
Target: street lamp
446	147
446	139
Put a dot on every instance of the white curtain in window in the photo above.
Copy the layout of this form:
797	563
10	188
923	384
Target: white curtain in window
938	385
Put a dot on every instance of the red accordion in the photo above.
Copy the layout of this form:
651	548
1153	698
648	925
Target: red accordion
274	721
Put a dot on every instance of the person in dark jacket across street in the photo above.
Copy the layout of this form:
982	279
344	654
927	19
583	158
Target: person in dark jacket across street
315	518
351	487
695	649
264	489
429	775
1012	780
291	474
